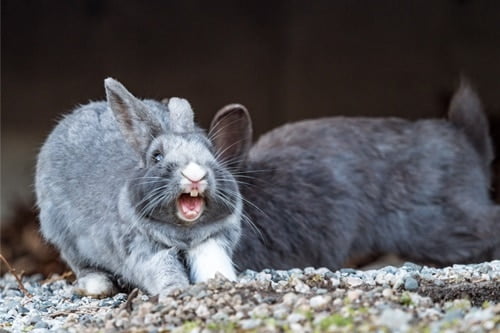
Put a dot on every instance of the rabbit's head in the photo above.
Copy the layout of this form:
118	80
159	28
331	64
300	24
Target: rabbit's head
183	176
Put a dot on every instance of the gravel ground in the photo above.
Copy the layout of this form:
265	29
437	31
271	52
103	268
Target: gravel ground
462	298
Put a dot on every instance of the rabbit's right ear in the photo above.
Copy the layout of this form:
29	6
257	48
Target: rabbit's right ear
231	134
134	120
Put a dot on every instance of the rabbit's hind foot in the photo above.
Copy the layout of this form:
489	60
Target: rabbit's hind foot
95	284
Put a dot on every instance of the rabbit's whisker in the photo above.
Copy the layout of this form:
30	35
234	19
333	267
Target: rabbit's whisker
152	199
244	217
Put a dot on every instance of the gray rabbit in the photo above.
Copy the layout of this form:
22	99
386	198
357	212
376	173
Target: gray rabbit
133	190
321	191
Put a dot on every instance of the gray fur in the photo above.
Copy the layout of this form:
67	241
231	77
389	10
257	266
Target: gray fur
110	209
321	191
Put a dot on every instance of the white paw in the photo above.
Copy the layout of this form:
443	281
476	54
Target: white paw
208	259
96	285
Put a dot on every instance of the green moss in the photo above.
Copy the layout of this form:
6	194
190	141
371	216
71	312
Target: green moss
188	326
362	310
486	305
426	329
286	328
309	315
458	304
316	278
271	322
406	299
227	327
449	324
356	311
336	320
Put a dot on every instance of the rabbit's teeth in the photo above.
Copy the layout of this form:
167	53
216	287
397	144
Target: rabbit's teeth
189	207
194	193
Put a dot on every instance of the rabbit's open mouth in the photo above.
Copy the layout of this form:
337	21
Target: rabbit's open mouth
190	207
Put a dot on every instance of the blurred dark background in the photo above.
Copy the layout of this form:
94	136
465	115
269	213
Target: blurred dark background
285	60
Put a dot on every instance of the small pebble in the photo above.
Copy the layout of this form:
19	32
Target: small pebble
249	324
411	284
353	281
202	311
412	266
395	319
41	324
295	317
301	287
354	295
319	302
387	293
348	271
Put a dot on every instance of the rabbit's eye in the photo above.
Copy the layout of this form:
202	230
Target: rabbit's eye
157	157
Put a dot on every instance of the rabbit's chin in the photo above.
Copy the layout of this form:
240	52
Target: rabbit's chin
190	207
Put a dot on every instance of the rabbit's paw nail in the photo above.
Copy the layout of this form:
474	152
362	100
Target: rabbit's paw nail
95	285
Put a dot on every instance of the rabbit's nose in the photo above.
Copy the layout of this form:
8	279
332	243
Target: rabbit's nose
194	172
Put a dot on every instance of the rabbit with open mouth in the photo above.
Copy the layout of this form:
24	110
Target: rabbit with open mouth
133	189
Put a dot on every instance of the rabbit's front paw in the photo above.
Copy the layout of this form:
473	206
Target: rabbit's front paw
208	259
97	285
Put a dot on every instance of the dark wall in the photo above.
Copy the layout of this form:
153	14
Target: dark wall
285	60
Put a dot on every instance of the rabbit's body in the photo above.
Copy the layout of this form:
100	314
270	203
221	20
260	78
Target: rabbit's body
122	201
334	188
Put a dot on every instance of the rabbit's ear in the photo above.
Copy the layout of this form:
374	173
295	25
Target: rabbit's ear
134	120
466	112
231	133
181	115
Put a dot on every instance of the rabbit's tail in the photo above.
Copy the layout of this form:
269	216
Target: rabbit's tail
466	112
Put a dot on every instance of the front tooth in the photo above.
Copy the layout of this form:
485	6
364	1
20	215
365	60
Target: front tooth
194	193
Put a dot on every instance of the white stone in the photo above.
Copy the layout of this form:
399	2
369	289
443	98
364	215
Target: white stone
395	319
319	302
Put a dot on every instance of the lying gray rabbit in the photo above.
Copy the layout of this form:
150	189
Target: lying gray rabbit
133	190
322	191
136	191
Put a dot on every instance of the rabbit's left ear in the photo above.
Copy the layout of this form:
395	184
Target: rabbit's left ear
135	122
231	134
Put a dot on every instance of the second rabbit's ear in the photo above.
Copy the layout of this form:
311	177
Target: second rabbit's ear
135	122
466	112
231	134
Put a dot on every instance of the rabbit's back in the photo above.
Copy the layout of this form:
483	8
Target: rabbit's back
374	158
366	184
81	168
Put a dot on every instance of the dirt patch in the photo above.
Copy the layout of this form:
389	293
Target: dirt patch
476	292
24	248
